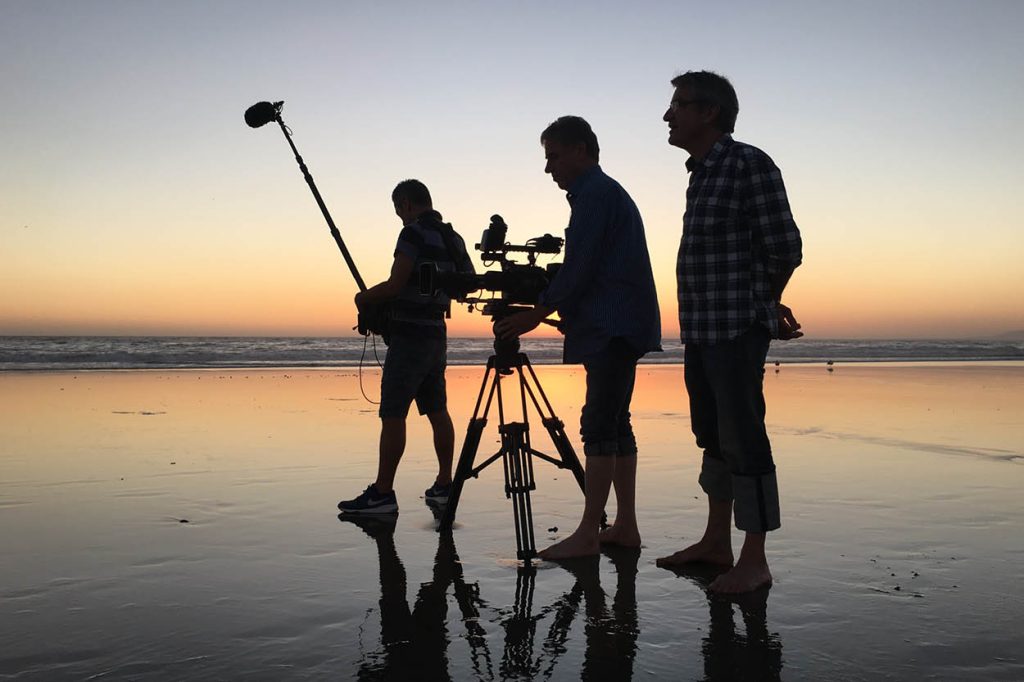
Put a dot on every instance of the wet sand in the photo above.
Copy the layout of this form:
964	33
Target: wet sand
182	525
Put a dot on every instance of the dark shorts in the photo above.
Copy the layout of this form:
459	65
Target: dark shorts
604	424
413	370
727	412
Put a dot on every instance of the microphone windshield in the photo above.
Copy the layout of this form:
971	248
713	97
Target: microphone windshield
262	113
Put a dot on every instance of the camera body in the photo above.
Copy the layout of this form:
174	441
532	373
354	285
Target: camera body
514	283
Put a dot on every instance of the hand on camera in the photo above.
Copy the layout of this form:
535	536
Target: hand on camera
516	325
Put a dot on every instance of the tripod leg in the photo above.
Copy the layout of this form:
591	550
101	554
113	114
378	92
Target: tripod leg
554	425
469	446
518	484
556	429
462	470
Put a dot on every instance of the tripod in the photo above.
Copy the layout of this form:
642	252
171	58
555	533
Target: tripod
516	452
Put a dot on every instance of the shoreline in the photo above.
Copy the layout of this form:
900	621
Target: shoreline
305	353
373	367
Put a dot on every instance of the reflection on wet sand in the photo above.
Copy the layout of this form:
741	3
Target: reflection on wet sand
902	495
753	654
611	634
414	642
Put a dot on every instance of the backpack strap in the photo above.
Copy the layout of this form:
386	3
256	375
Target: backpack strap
457	256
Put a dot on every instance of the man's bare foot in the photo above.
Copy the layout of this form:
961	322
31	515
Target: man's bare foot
743	577
578	544
620	536
705	552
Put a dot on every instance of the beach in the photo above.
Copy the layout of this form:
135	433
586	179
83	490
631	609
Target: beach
181	524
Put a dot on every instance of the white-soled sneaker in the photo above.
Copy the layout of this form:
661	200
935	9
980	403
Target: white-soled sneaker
437	494
371	502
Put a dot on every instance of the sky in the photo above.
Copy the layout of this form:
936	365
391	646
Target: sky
134	199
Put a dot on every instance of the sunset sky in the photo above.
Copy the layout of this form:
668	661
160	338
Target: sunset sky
134	199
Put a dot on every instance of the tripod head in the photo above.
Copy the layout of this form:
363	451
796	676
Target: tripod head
506	351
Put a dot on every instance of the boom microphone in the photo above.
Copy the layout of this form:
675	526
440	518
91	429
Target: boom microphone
262	113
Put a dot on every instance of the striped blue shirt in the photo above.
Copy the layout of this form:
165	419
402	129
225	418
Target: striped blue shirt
605	286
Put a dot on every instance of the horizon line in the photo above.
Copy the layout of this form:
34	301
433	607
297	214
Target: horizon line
1011	335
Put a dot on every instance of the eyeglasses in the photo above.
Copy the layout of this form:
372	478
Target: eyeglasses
677	104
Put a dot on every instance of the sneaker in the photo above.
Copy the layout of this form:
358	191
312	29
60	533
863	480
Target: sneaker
371	502
437	493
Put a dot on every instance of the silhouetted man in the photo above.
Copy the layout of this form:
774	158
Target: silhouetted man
604	293
739	248
417	351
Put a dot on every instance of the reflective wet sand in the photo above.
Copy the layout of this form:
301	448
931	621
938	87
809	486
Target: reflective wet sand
182	525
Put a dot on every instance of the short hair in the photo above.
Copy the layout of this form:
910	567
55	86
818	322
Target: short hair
714	89
572	130
413	191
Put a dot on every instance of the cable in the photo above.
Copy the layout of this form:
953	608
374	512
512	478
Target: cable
361	357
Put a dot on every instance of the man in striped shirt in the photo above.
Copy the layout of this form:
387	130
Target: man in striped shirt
738	250
604	293
417	352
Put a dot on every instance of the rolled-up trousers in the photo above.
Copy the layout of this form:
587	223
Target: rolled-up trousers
725	383
605	426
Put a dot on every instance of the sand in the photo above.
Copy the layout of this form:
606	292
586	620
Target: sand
182	525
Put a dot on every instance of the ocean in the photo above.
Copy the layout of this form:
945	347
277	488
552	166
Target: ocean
80	353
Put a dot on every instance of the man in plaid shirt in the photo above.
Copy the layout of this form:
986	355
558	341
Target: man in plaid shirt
739	248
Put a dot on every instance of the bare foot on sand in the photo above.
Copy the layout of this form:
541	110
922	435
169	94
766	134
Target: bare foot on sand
702	552
743	577
620	536
578	544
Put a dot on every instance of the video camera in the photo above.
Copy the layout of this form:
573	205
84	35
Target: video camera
515	283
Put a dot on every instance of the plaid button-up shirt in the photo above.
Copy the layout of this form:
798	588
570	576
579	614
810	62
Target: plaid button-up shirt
738	232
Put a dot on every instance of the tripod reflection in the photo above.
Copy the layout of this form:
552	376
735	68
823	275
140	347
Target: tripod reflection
415	642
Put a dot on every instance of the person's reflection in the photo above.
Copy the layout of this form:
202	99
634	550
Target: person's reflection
755	653
610	634
415	643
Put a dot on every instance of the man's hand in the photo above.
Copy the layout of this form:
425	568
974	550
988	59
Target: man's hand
516	325
401	271
789	328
